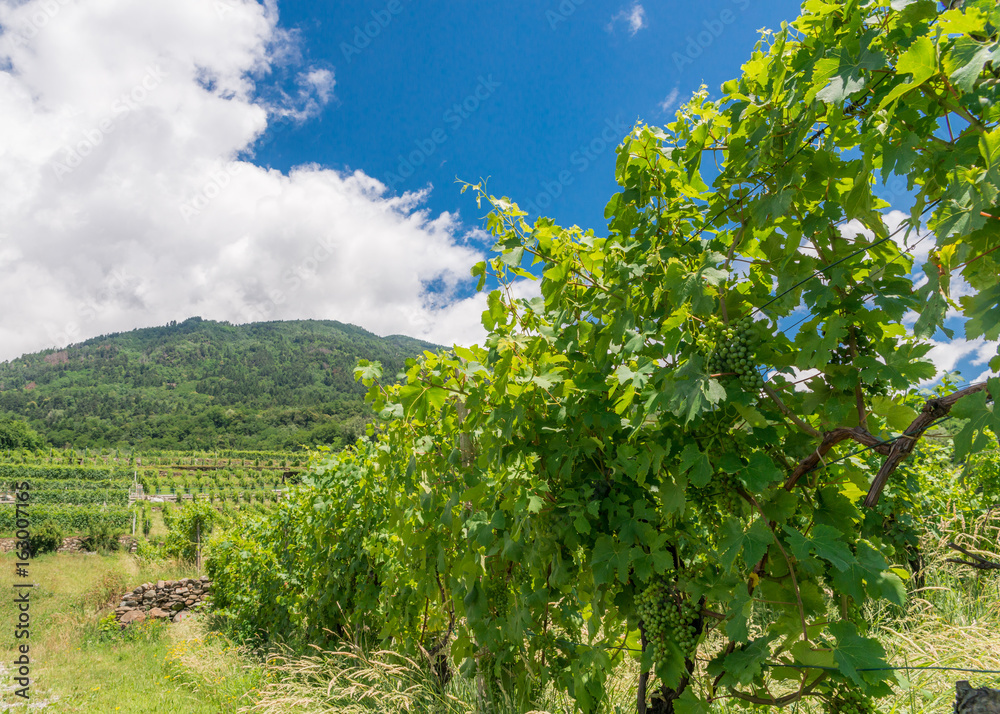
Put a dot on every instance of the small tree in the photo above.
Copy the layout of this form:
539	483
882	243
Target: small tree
16	434
189	528
46	538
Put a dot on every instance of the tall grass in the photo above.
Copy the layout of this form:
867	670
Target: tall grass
953	620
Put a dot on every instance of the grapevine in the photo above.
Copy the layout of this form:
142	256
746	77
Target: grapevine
668	619
841	356
848	700
593	442
731	350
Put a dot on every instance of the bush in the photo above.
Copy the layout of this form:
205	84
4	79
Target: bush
189	529
16	434
46	539
102	537
147	551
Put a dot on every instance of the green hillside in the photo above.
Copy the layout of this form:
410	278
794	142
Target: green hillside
201	384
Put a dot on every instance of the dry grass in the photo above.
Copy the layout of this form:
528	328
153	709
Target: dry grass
353	680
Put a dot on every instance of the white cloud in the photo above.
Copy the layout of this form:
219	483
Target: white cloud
321	82
124	204
634	17
947	355
670	101
986	374
916	244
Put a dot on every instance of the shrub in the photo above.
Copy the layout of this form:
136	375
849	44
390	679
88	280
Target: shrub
147	551
46	538
189	529
102	537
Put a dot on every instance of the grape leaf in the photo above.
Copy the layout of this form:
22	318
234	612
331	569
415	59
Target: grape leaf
696	465
972	437
854	652
753	543
825	542
746	662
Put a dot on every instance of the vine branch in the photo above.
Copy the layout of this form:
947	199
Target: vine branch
831	439
933	410
977	561
807	428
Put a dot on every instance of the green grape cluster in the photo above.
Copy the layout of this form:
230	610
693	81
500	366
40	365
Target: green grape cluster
730	349
498	594
848	700
719	496
666	617
841	355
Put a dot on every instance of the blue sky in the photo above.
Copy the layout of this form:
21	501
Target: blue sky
545	90
251	160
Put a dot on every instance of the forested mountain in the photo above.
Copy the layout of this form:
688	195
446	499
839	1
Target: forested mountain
201	384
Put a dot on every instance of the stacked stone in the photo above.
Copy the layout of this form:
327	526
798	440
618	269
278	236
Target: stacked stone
175	599
74	544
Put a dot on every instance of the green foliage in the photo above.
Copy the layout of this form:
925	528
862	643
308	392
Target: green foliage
147	551
983	476
54	472
610	438
102	537
83	496
108	627
315	565
198	384
73	519
45	538
189	526
16	434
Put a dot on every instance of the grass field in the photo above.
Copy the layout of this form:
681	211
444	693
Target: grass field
78	668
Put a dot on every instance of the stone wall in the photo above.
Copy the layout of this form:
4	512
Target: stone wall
74	544
172	598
